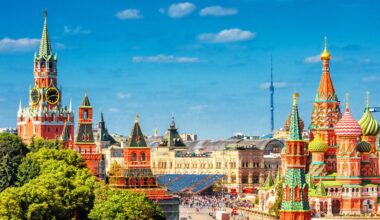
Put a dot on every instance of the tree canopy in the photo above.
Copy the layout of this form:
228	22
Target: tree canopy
12	150
122	204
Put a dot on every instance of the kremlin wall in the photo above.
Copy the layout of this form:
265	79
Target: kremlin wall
328	168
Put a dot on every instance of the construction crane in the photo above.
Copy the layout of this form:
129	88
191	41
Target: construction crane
374	109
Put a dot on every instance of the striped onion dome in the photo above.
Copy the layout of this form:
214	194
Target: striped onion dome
369	125
347	125
318	144
363	147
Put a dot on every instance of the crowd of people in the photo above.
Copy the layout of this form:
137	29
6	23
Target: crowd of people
214	203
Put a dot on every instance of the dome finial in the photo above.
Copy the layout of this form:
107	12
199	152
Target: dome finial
367	100
295	96
347	105
137	118
325	54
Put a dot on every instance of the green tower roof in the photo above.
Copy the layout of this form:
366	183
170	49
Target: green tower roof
137	137
45	46
295	132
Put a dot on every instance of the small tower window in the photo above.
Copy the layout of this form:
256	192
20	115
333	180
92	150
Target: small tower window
134	156
85	115
143	157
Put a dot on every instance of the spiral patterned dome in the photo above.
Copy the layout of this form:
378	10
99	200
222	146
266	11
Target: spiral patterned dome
347	125
369	125
364	147
287	123
318	144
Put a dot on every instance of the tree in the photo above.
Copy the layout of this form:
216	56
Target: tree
116	169
31	164
123	204
12	150
39	143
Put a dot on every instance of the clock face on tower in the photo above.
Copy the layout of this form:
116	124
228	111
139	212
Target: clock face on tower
35	96
52	95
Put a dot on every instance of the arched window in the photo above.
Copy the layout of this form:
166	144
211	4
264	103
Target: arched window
134	156
143	156
297	194
287	193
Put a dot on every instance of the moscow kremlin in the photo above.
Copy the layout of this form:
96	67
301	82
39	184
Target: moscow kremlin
328	169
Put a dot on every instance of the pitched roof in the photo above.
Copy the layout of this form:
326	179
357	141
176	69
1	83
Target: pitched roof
65	136
136	138
86	101
105	136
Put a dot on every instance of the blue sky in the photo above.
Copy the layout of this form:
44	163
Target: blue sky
206	61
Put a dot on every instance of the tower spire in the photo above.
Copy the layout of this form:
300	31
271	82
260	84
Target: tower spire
295	125
45	47
271	89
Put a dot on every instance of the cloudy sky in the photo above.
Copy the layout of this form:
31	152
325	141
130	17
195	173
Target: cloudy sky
208	62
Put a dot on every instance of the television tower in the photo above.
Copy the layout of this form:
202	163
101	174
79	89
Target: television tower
271	89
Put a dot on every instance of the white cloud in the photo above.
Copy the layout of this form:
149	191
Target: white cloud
59	46
18	45
122	95
275	84
198	108
161	58
78	30
129	14
371	79
180	10
228	35
114	110
312	59
217	10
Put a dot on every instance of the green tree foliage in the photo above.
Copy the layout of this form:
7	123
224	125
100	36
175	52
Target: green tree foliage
12	150
60	188
122	204
39	143
31	164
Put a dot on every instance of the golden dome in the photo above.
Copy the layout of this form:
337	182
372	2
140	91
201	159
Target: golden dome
318	144
325	55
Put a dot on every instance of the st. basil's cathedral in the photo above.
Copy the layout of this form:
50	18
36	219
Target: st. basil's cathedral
337	172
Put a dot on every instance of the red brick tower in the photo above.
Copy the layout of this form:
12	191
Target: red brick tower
45	116
84	140
326	112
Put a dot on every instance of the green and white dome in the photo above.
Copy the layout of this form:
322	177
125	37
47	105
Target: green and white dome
318	144
369	125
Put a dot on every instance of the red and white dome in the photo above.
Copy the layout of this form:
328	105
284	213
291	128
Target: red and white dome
347	125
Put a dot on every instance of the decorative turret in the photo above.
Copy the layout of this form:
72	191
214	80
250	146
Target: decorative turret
348	132
318	147
320	189
325	55
295	202
368	124
172	139
287	123
136	139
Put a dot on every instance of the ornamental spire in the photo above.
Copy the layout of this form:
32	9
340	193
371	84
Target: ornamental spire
347	105
295	124
45	47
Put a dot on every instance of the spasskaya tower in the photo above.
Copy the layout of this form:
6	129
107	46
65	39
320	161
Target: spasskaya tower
45	116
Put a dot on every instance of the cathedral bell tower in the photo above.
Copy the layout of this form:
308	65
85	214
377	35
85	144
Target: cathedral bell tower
45	116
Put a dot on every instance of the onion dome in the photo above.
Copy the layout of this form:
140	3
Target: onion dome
369	125
287	123
318	145
325	55
347	125
363	147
